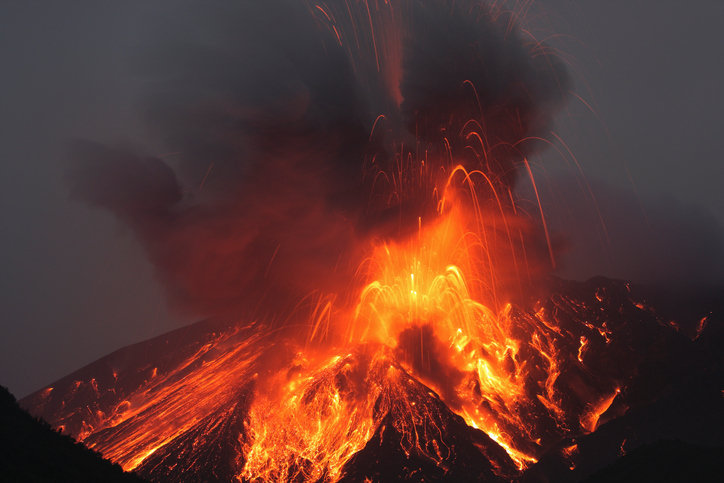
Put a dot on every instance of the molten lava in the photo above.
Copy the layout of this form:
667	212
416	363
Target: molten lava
416	377
424	343
420	317
439	353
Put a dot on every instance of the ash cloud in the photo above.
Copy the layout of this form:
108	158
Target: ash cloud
470	62
269	123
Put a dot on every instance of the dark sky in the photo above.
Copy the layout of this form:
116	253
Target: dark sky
75	285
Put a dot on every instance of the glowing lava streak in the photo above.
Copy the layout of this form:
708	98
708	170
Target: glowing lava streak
430	326
442	328
422	311
311	427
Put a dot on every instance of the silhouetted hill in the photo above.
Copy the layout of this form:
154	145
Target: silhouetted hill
31	451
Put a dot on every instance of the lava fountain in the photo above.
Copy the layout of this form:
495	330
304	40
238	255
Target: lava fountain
418	331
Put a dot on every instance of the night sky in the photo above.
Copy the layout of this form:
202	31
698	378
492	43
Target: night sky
76	285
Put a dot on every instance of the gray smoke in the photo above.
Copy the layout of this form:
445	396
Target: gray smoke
269	116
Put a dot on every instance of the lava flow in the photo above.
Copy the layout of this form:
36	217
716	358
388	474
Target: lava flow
434	348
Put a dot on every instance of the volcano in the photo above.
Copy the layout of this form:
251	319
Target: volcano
195	404
381	305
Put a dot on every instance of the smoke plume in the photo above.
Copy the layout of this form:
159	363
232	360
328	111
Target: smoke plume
287	123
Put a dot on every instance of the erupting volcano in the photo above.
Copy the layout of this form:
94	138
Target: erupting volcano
341	203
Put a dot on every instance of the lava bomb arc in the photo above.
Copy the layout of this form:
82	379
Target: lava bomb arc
343	206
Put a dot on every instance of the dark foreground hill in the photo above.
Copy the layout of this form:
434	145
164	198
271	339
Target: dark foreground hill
31	451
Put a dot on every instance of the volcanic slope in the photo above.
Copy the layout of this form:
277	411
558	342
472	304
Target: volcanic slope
182	405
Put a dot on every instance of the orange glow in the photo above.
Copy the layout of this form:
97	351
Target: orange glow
589	420
570	453
167	405
582	348
440	313
313	418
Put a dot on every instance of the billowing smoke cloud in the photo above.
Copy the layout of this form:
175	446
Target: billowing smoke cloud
469	64
268	111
